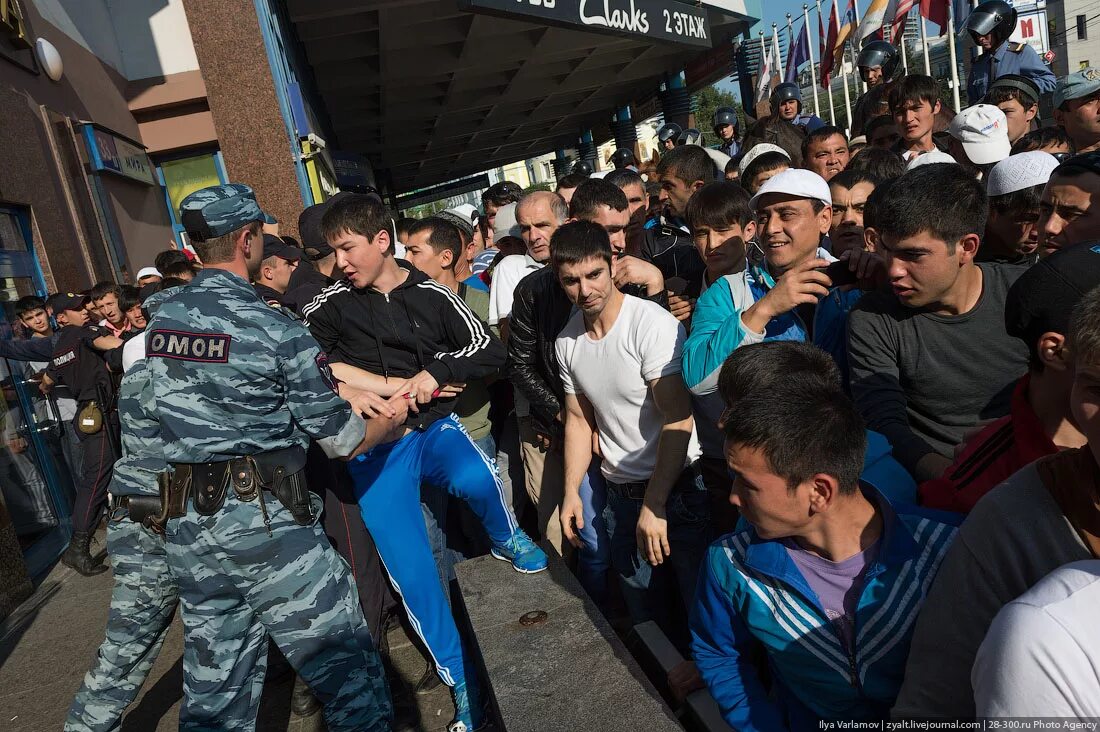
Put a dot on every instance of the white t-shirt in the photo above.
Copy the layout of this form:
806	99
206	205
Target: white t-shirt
613	373
133	351
506	276
1041	656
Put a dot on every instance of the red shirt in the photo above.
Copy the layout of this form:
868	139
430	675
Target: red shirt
990	457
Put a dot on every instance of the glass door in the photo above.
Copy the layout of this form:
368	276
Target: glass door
36	457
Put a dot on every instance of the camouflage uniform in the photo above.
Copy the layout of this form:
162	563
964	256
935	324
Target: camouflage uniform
145	594
232	377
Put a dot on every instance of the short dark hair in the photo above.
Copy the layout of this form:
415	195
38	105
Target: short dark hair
442	236
1084	329
1000	94
403	226
942	199
175	269
1043	137
624	177
29	303
577	241
503	193
169	257
883	164
806	425
129	297
883	120
731	166
914	88
851	178
359	214
689	163
820	135
592	194
874	202
762	164
570	180
103	289
1021	201
718	205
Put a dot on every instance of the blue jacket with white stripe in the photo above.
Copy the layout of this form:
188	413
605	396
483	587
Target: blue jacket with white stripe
750	592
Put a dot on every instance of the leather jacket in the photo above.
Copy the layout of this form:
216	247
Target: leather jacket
540	309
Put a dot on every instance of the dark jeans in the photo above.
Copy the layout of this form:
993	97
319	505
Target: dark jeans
663	593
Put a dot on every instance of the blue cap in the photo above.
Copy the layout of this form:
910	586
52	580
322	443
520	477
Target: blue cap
219	210
1076	85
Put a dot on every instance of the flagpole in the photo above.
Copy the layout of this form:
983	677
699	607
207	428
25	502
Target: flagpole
820	25
779	63
901	39
844	76
760	84
855	44
810	48
954	60
924	46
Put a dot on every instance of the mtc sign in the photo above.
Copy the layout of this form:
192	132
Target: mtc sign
662	20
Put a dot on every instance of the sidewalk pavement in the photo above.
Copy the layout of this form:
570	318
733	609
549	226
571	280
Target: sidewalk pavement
49	642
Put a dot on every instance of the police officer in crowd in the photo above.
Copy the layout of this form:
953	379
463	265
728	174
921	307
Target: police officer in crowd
878	65
239	388
725	127
77	365
145	594
623	158
990	24
278	265
786	104
667	134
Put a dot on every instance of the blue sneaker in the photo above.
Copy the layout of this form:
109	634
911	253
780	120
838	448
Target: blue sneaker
522	553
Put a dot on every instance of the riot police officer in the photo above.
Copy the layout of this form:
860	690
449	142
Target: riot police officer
77	365
725	127
878	65
239	389
582	167
667	134
691	136
990	24
624	158
786	104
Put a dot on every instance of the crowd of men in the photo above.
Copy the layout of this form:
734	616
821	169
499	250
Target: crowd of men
826	409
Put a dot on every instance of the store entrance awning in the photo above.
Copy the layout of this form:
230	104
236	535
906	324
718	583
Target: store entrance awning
431	92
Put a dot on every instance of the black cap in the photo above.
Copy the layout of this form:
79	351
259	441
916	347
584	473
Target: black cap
1043	298
276	247
67	301
1018	82
309	228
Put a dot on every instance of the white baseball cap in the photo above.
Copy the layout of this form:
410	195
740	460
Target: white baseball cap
755	152
795	182
983	132
505	222
147	272
932	156
1020	171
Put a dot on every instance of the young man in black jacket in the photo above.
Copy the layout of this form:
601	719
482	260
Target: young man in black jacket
390	329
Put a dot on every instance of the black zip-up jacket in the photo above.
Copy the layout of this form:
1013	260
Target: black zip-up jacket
420	326
674	254
540	309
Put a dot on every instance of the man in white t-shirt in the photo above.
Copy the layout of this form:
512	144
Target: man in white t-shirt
620	367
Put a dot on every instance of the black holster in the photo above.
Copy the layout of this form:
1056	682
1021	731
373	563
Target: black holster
280	472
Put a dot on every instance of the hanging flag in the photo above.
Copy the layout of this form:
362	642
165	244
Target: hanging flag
847	27
873	19
900	15
828	51
797	54
763	76
935	11
777	61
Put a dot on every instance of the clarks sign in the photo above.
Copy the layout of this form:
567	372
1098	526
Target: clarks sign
661	20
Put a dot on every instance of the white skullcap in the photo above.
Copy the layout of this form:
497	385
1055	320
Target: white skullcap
1017	172
757	151
795	182
932	156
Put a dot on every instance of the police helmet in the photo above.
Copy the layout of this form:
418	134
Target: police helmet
783	92
725	116
993	17
623	158
582	167
669	131
690	136
880	54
